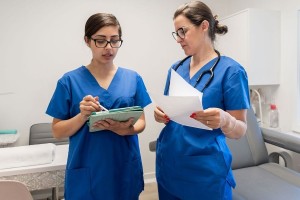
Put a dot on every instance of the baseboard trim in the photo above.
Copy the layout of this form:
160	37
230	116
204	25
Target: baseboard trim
149	177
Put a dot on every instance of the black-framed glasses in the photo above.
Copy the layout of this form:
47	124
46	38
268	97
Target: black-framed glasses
180	33
101	43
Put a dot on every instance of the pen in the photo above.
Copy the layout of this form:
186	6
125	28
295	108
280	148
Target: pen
102	107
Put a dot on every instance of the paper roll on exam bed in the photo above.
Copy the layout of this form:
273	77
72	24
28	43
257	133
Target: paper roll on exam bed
21	156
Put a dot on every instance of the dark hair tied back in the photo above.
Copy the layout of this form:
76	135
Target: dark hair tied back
220	29
197	12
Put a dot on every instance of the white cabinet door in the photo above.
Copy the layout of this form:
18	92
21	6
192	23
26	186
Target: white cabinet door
253	39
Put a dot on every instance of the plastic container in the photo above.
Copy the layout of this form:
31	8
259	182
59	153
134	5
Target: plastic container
273	116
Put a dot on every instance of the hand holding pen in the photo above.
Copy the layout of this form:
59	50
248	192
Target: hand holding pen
88	105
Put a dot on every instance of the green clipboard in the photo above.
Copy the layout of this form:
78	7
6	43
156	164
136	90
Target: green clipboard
119	114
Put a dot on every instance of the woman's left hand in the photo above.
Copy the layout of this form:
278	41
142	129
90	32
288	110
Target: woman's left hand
118	127
211	117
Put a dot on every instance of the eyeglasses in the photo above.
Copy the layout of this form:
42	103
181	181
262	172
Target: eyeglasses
180	33
100	43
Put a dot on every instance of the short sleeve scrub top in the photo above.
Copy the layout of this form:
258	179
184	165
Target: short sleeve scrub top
194	163
102	164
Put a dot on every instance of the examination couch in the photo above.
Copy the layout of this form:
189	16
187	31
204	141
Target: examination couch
258	178
41	133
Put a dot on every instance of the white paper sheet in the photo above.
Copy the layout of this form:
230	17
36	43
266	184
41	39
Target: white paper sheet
179	87
182	101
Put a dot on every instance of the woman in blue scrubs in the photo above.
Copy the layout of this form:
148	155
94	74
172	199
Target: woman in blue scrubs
193	163
104	164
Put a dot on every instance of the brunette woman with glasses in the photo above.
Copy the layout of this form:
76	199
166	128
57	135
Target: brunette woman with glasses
194	163
105	164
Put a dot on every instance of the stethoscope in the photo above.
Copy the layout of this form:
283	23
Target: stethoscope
209	71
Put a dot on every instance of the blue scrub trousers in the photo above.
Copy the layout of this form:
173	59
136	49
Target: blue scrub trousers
163	194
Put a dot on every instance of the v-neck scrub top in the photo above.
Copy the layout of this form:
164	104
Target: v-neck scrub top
102	164
193	163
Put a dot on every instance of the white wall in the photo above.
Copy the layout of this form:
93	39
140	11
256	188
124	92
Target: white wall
41	40
286	93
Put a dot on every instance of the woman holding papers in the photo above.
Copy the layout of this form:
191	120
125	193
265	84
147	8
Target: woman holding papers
194	163
103	164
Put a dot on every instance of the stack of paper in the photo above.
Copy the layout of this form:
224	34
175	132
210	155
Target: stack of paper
183	100
119	114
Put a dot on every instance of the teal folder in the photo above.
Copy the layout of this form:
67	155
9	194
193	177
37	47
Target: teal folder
8	131
119	114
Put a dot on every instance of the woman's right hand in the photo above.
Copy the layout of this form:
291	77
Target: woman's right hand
68	127
160	116
88	105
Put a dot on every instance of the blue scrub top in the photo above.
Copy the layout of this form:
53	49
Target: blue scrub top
194	163
101	165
